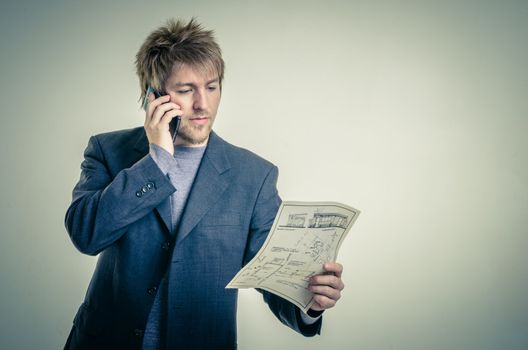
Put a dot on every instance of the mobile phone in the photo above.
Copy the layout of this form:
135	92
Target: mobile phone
174	123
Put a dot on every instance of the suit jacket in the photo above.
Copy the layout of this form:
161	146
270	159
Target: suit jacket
121	210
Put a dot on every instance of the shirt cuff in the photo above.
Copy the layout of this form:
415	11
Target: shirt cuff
163	159
307	319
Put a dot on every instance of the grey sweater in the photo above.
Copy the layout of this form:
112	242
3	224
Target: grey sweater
181	170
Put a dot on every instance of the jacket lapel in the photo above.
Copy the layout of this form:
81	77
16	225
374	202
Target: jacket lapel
209	185
164	208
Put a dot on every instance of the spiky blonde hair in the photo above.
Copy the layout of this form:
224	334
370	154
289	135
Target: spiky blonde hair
172	45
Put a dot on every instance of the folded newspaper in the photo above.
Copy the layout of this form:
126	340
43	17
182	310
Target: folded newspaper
303	237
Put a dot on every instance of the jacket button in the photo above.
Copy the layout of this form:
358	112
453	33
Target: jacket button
165	246
144	189
152	290
139	194
150	185
138	333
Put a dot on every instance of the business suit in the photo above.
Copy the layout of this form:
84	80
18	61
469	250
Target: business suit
121	209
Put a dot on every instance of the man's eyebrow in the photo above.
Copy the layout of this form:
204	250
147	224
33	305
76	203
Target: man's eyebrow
192	84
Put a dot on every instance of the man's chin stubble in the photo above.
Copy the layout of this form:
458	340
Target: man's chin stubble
187	136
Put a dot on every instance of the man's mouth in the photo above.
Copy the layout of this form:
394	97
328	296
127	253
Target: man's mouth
199	120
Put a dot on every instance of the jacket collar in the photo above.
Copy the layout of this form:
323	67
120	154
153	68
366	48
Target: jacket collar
210	183
215	151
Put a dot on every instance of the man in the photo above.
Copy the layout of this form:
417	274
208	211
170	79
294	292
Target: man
174	220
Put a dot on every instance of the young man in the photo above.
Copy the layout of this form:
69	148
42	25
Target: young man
173	220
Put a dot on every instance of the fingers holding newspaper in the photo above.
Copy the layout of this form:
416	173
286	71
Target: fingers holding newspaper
327	286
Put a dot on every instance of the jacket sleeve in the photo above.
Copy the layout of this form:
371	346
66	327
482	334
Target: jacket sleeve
266	208
102	207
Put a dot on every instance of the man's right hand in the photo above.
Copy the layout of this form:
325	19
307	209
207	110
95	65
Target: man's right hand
159	113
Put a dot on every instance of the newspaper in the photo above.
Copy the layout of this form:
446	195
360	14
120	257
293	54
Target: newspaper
303	237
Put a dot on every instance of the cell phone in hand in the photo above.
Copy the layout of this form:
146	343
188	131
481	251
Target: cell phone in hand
174	123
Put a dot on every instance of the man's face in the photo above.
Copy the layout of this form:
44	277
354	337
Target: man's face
198	95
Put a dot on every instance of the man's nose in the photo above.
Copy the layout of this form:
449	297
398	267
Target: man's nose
200	100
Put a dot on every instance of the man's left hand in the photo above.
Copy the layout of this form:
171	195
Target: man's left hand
327	287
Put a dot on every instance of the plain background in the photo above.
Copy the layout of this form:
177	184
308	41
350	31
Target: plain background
413	112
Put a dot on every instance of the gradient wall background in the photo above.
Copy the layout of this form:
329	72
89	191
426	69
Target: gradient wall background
413	112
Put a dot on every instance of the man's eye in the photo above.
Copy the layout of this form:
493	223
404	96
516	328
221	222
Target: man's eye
212	88
183	91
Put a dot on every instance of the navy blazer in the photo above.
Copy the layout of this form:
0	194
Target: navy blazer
121	210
